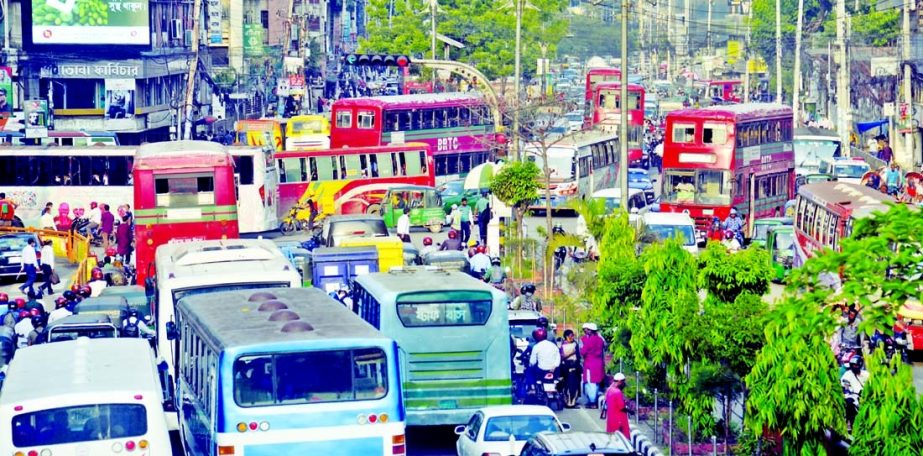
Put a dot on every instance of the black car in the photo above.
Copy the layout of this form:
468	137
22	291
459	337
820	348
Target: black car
578	444
11	245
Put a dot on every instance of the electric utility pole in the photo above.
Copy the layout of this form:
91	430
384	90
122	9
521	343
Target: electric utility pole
623	111
778	51
843	96
193	67
796	89
517	77
909	156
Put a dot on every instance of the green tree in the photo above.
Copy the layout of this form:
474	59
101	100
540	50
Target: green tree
726	276
890	419
517	186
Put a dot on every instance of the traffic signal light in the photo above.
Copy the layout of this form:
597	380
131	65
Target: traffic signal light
398	60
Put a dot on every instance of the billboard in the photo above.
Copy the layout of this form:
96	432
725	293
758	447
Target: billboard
120	98
253	40
35	115
6	95
90	22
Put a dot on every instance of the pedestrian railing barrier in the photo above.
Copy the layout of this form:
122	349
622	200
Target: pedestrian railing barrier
73	246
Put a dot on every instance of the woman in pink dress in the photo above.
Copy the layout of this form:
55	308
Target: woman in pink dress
592	350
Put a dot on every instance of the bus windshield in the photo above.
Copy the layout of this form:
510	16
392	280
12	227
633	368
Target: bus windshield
469	313
311	377
809	152
82	423
308	127
856	171
663	232
561	162
702	186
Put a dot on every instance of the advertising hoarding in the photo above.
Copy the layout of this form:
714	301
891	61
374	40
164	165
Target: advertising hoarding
35	114
6	95
90	22
120	98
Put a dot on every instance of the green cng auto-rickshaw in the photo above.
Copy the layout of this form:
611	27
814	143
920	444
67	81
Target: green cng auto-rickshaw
761	228
424	204
781	246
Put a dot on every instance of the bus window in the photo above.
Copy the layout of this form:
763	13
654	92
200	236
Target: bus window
352	166
323	168
451	115
365	120
243	165
413	165
683	133
344	118
185	190
439	118
464	117
468	313
382	166
424	167
392	121
401	164
373	164
713	133
85	423
292	170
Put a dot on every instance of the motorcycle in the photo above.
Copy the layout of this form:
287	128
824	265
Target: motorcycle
541	390
81	226
299	218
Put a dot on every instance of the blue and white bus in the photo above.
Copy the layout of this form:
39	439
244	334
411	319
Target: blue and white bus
454	335
284	371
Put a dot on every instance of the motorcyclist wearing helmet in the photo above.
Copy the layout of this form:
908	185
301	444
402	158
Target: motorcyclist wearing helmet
853	381
9	318
60	311
38	335
97	282
526	300
479	264
428	247
496	275
134	326
715	233
560	254
453	243
24	327
70	296
734	223
730	241
545	357
32	302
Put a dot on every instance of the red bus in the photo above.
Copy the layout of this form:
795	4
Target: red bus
351	180
722	91
184	192
458	127
721	157
595	76
606	110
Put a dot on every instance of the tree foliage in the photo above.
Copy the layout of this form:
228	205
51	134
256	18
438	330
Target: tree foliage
516	185
485	27
725	277
890	419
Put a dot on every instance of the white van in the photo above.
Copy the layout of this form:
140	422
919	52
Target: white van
655	226
86	396
849	170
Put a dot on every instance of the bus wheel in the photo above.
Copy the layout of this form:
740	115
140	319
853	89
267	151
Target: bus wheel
373	209
435	228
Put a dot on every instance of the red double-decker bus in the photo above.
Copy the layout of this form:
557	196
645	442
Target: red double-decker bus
596	76
606	114
184	192
350	180
720	157
458	127
729	91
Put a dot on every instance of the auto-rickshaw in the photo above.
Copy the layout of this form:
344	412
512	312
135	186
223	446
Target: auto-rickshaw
424	204
94	326
761	229
136	299
781	245
114	306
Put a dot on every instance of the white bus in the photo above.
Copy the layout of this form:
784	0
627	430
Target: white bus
580	165
186	269
87	396
33	176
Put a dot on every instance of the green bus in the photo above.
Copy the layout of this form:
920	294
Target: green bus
453	335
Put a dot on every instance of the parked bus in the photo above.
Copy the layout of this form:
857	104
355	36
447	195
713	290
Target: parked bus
184	192
33	176
257	185
260	133
86	396
580	165
285	372
61	138
723	157
825	213
453	331
596	76
309	132
193	268
459	127
351	180
607	114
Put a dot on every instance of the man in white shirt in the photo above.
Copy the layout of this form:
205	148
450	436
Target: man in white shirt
28	263
22	329
47	220
403	226
546	356
60	310
95	216
47	267
480	262
853	381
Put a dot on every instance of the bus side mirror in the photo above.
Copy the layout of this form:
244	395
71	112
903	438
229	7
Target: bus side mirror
150	287
172	331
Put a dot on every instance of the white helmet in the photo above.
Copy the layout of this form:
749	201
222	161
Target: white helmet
733	211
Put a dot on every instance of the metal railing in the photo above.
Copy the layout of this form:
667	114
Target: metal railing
67	244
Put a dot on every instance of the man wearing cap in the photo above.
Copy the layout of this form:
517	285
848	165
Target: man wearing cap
617	410
592	350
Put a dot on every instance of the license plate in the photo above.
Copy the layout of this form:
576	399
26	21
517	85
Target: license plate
13	260
550	387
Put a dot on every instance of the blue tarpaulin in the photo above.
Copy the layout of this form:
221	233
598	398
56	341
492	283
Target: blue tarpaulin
863	127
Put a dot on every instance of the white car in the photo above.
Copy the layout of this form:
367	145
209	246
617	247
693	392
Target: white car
490	429
654	226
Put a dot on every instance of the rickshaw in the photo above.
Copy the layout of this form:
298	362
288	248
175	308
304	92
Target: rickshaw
424	203
761	229
781	245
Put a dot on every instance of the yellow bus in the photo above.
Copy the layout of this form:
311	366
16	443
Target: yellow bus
309	132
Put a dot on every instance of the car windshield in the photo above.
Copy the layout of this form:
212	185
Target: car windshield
703	186
663	232
522	329
523	427
856	171
13	242
363	228
761	231
638	176
809	152
453	188
611	204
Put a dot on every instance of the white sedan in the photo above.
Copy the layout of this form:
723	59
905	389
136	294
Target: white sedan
504	429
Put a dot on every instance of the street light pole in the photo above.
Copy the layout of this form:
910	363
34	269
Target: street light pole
623	111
